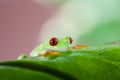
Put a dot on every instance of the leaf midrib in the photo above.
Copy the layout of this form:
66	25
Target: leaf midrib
32	65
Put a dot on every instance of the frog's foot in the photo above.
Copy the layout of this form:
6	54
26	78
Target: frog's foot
22	56
48	52
78	46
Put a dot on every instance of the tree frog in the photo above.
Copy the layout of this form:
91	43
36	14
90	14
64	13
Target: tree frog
52	46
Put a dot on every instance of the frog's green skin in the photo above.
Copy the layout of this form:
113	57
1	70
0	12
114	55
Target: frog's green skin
63	43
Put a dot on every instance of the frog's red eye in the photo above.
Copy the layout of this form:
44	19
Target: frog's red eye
53	41
70	40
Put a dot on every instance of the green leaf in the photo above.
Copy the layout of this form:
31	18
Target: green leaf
92	63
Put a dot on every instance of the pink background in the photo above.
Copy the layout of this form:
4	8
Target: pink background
20	23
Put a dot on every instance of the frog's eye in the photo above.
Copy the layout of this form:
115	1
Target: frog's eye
70	40
53	41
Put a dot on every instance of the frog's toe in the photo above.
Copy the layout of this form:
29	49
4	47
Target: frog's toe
45	53
22	56
79	46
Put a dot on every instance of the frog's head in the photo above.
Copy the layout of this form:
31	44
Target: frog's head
60	42
53	43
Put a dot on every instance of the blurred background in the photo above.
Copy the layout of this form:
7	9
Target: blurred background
26	23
